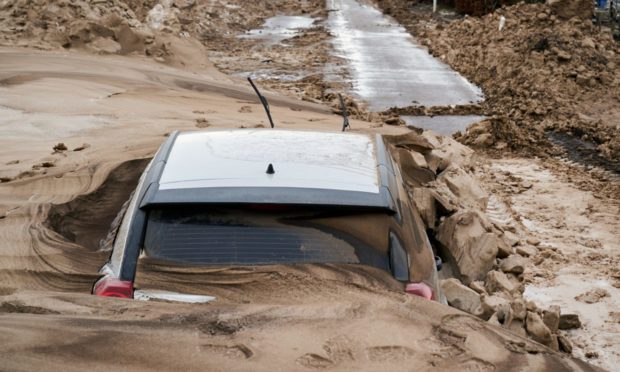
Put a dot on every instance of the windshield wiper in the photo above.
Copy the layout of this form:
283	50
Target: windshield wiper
263	100
345	114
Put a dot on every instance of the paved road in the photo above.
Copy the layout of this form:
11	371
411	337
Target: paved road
387	67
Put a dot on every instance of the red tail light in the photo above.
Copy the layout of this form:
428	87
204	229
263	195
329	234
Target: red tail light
420	289
113	287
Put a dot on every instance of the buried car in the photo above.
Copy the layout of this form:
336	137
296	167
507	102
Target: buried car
261	197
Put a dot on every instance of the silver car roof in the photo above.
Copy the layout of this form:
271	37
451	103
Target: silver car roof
319	168
299	159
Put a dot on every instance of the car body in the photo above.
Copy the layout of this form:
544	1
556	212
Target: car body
268	196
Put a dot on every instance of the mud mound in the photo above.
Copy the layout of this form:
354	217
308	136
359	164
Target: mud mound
538	73
86	219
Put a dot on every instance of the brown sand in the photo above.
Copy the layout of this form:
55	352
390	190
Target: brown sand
292	319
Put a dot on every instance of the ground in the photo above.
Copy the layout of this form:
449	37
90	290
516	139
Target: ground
109	110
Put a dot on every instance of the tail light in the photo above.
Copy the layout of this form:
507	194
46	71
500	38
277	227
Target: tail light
420	289
113	287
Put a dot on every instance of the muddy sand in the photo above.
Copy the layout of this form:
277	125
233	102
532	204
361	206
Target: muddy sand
110	111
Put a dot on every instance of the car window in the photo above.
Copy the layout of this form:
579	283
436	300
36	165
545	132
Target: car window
229	236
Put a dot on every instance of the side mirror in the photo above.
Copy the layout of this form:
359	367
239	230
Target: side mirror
399	259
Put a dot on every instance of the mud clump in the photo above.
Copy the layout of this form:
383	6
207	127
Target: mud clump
485	263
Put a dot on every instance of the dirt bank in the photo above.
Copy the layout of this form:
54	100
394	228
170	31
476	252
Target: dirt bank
540	73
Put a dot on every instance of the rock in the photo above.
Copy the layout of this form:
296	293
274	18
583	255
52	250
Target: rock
413	174
424	201
478	286
411	141
531	306
465	187
59	147
468	244
483	140
447	151
587	42
447	202
461	297
496	281
563	56
84	146
551	318
418	159
513	264
569	321
517	327
537	329
505	315
511	238
104	46
503	247
491	304
564	344
394	120
532	241
593	296
519	310
527	251
494	320
591	354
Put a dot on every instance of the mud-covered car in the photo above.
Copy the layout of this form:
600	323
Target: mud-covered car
261	197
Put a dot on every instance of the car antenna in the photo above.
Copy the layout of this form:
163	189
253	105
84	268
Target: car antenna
345	114
263	100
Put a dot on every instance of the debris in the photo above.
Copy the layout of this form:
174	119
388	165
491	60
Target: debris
478	286
551	318
59	147
537	329
490	304
465	187
593	296
564	344
526	251
569	321
461	297
519	308
513	264
83	146
496	281
202	123
469	244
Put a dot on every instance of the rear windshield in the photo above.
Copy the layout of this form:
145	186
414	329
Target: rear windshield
229	236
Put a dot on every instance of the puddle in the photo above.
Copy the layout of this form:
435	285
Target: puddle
279	28
444	124
387	67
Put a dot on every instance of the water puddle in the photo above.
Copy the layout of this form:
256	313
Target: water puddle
444	124
279	28
387	68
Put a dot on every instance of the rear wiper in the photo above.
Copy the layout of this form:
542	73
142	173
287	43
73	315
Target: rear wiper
263	100
345	114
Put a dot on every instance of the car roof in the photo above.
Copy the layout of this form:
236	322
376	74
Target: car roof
309	168
299	159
